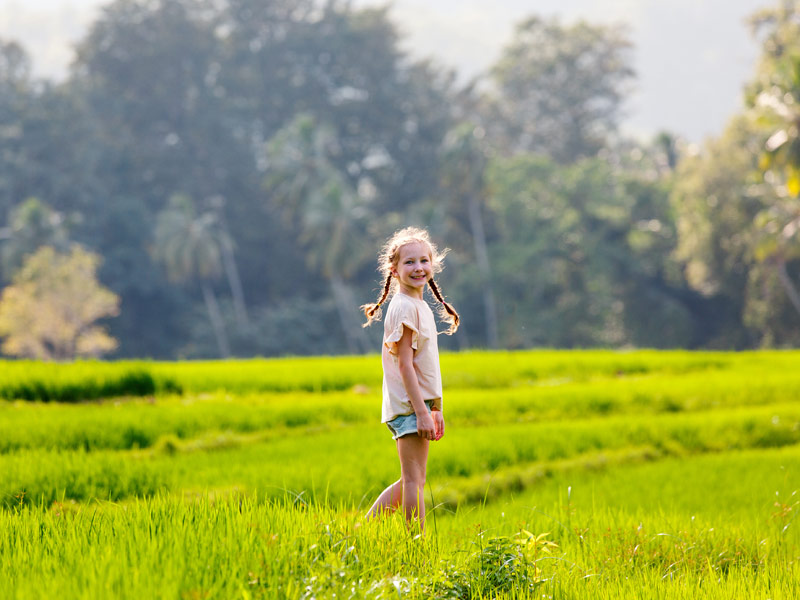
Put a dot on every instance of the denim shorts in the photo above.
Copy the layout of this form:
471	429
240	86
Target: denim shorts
406	424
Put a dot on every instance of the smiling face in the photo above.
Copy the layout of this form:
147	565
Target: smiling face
413	269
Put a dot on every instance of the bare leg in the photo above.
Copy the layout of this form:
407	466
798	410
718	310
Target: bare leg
390	499
413	452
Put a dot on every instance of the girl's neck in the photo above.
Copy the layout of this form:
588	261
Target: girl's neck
416	294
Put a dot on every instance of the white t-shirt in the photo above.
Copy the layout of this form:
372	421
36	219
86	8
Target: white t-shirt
415	314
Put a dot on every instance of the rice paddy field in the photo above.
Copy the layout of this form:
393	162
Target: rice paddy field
562	474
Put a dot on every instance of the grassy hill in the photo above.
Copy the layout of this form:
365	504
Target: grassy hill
590	474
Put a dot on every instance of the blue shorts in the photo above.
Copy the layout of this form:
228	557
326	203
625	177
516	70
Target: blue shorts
406	424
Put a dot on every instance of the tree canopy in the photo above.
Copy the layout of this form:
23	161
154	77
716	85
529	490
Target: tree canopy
560	88
51	307
237	164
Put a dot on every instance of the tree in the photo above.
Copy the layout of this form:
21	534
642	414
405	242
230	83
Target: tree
38	121
15	67
715	199
147	72
561	233
344	68
15	96
185	93
15	84
191	247
581	256
463	169
774	95
33	224
229	264
331	216
148	77
50	309
559	88
660	309
774	100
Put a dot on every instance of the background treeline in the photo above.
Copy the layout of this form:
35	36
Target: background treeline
238	163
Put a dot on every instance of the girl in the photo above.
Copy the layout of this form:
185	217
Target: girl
412	382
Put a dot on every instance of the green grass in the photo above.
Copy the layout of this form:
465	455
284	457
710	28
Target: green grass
511	456
86	380
562	475
51	382
611	536
140	423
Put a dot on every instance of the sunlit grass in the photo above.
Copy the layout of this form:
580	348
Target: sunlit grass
140	423
613	535
83	380
562	475
510	456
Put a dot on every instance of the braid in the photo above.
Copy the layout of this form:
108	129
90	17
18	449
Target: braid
372	311
452	315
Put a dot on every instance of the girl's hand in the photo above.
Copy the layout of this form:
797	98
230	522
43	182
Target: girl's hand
438	424
426	428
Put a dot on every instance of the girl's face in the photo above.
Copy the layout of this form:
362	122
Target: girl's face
413	269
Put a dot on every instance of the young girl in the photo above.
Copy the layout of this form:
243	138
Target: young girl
412	382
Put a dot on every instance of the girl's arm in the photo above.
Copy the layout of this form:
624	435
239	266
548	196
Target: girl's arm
405	360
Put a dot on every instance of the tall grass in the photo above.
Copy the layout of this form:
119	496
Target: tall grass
52	382
562	542
347	462
561	475
129	424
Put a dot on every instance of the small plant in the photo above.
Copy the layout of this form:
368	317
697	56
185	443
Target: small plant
534	546
504	564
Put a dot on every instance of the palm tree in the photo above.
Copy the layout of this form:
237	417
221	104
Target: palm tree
775	106
463	167
778	242
774	96
330	215
229	265
190	247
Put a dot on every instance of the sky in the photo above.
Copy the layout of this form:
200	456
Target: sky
692	57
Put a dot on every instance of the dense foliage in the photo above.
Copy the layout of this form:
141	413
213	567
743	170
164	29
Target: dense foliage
237	164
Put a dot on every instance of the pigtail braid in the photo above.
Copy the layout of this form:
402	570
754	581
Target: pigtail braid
449	313
373	311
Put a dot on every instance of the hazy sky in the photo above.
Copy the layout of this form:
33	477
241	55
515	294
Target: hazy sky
691	56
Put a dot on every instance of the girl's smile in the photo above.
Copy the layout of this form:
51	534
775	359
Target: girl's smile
414	269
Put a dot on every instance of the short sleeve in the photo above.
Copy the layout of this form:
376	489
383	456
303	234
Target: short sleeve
399	315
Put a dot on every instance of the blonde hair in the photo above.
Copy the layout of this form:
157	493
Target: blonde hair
387	261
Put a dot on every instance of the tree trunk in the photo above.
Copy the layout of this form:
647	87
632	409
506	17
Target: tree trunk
215	317
484	268
235	283
791	291
357	342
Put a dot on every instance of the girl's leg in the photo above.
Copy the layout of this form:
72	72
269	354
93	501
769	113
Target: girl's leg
389	499
413	452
